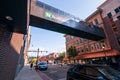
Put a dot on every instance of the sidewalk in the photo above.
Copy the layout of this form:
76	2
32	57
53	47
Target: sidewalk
28	74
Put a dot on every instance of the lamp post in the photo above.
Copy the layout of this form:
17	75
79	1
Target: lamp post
103	47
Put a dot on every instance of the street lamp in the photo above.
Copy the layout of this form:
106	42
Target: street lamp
103	47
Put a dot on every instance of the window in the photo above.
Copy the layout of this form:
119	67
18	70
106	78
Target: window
103	44
54	10
97	46
68	38
109	15
92	47
80	40
76	69
72	37
85	40
96	21
82	49
86	48
47	7
38	3
118	17
61	13
117	10
93	72
76	42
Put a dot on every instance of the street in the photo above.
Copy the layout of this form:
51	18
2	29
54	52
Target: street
54	72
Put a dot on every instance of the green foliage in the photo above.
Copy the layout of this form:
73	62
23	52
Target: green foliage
72	52
32	59
61	56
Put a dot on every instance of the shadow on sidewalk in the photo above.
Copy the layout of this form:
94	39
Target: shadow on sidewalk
28	74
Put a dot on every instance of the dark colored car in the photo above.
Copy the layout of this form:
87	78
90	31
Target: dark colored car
115	66
42	65
92	72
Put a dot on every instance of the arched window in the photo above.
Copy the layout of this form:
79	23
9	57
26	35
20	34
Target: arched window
86	48
97	46
92	47
80	40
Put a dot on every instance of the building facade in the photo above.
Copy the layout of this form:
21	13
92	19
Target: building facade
13	52
106	50
50	58
111	18
11	45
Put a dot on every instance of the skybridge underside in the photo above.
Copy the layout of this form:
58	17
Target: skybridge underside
79	30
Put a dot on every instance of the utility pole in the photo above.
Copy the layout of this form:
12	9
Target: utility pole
38	50
104	54
37	56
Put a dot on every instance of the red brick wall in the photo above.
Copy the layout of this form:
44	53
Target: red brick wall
10	45
110	34
117	23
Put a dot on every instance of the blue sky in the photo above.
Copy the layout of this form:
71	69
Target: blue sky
55	42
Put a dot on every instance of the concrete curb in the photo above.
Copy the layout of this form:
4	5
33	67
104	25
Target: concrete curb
44	76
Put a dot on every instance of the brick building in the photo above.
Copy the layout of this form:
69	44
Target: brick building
50	58
13	52
10	48
108	48
111	20
14	21
110	14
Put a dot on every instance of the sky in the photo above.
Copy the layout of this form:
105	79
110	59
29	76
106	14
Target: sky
51	41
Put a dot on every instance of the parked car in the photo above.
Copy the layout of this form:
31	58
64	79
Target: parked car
115	66
92	72
42	65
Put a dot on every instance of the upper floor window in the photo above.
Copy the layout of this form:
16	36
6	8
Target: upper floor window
80	40
97	46
76	42
96	21
103	44
92	47
72	37
68	38
109	15
117	10
82	50
86	48
85	40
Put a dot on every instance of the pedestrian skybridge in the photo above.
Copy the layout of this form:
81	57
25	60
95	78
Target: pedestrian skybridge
41	15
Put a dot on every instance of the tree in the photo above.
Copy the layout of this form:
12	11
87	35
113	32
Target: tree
72	52
32	59
61	56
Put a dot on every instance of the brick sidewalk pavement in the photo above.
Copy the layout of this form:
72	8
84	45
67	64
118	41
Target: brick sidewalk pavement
28	74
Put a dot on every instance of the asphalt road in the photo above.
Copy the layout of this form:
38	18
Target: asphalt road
55	72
